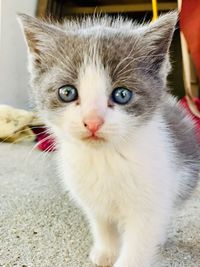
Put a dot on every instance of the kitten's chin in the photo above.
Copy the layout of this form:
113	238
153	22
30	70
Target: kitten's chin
94	139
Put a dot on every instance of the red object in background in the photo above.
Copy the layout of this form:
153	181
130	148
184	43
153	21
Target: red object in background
190	26
184	103
44	139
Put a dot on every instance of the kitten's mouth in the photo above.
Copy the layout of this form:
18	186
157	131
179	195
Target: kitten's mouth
93	137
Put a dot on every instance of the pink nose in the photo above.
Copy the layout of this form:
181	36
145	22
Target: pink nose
93	123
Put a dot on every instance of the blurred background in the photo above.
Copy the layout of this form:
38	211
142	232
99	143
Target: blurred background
13	58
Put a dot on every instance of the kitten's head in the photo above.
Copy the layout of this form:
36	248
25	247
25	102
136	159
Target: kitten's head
100	78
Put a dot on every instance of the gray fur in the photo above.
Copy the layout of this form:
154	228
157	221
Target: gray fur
58	51
182	131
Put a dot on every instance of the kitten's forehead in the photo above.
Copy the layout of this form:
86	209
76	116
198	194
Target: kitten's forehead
103	33
111	53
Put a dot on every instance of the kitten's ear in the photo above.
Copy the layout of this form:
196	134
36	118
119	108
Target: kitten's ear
40	37
157	37
34	30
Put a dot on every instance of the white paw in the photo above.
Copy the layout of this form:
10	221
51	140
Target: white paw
102	258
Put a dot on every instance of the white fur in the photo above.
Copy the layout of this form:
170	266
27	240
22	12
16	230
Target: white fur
132	188
126	185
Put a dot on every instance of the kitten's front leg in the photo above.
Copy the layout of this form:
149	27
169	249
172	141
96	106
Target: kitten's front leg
105	248
140	240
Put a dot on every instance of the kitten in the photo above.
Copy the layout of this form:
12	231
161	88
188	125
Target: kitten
126	149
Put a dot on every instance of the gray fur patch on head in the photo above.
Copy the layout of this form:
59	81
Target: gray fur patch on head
135	56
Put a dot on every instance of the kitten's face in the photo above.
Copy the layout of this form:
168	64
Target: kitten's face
96	82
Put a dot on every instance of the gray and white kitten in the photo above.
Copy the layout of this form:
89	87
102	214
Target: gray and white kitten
126	150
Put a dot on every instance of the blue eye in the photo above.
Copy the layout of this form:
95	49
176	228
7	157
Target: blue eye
121	95
68	93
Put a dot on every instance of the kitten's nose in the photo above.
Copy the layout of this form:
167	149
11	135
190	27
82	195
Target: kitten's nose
93	124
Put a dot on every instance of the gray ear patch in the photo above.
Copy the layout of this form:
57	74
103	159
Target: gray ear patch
157	38
42	39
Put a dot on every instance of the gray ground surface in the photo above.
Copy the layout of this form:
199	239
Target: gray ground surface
41	227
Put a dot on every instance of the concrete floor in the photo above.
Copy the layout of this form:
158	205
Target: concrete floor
41	227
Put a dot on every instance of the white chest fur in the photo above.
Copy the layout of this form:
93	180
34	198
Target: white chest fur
107	180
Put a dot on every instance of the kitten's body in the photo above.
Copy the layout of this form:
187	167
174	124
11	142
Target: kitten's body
146	159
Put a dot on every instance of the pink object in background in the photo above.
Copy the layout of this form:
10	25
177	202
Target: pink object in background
184	103
45	141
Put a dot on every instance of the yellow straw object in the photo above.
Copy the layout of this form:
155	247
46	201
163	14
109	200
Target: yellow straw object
155	9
